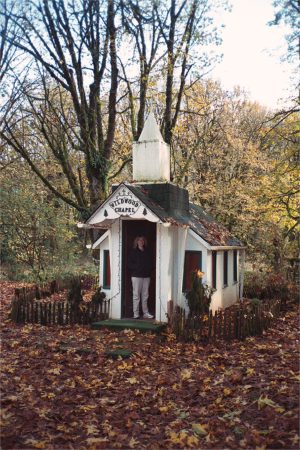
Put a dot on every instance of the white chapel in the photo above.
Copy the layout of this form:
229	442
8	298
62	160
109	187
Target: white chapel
181	236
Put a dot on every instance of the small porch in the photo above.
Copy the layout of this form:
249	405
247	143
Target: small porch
131	324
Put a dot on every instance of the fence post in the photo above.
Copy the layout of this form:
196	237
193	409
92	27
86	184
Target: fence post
241	320
219	323
236	323
259	327
42	312
210	322
22	311
54	313
59	313
35	312
63	313
53	287
231	324
68	313
225	326
27	311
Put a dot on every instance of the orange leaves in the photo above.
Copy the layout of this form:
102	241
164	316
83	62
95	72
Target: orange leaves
250	371
54	371
199	429
168	395
264	401
97	442
182	439
132	380
91	429
35	444
186	374
227	392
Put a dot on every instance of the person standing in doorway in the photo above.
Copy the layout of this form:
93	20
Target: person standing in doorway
140	266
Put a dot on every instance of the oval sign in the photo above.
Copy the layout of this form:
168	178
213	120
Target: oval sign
124	203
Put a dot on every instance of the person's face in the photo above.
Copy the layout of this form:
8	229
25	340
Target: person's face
141	242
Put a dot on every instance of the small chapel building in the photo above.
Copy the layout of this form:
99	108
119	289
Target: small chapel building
181	236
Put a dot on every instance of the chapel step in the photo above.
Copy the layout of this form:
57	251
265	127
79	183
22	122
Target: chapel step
131	324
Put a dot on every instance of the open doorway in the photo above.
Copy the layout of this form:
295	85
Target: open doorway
130	229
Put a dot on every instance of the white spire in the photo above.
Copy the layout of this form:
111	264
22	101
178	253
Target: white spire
151	130
151	155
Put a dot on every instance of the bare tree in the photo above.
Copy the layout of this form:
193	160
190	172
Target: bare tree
72	46
288	11
68	76
7	50
140	22
168	38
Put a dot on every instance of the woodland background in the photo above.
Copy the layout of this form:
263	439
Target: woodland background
78	79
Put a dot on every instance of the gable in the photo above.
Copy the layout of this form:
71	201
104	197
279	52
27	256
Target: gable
162	202
101	239
121	203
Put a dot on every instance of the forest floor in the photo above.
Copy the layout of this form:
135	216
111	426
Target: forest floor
60	390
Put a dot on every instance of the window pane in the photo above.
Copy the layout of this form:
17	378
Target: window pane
192	262
225	268
235	266
214	269
106	269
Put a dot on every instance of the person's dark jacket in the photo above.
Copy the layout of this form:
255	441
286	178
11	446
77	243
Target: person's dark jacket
140	263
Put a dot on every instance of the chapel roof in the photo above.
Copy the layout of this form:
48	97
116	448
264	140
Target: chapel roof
170	204
202	223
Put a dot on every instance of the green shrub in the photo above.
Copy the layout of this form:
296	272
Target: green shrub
75	294
199	297
99	296
68	267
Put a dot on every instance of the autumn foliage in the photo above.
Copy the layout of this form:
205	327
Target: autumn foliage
270	285
60	390
199	296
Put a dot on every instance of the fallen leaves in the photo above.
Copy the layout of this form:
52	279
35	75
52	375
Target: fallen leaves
199	429
265	401
59	390
186	374
35	444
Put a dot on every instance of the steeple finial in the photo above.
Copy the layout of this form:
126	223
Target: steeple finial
151	131
151	155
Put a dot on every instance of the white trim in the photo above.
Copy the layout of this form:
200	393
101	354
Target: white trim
200	239
227	247
215	247
110	210
100	239
98	226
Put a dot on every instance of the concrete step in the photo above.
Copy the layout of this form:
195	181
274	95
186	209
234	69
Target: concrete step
131	324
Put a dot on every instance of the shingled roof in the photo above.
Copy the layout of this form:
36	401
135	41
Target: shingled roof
183	213
171	204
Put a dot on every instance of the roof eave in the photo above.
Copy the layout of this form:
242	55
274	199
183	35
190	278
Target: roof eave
227	247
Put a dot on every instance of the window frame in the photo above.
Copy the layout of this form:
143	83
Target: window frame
235	266
225	268
214	259
199	252
106	269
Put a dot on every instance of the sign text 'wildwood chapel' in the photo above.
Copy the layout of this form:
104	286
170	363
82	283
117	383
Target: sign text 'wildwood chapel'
124	203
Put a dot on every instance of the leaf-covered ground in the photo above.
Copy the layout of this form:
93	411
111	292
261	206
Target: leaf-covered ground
60	391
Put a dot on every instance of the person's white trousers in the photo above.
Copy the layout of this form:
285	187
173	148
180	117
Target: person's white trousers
140	288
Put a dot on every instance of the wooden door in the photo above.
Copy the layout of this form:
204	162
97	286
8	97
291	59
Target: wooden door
131	229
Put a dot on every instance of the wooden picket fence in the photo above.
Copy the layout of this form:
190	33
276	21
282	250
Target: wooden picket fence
45	290
57	313
34	305
236	322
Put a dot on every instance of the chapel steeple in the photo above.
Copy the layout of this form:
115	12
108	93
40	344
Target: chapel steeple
151	155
